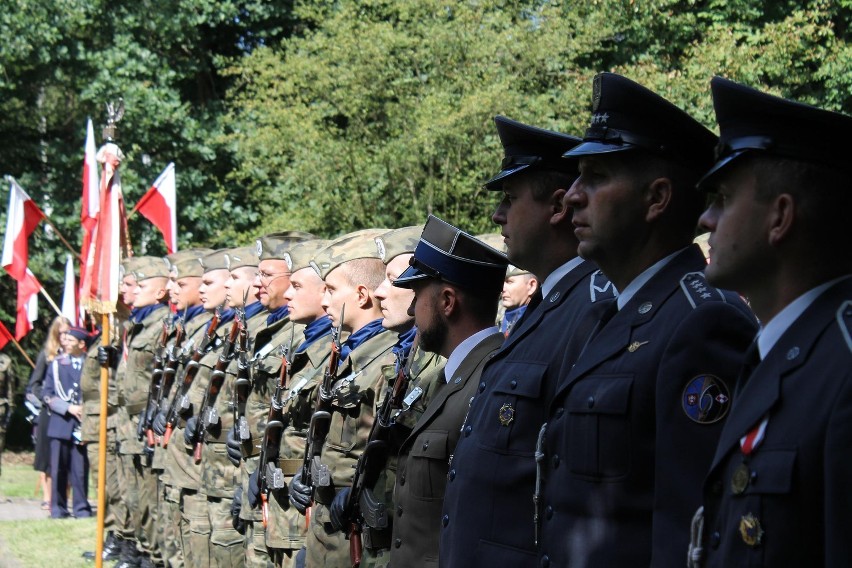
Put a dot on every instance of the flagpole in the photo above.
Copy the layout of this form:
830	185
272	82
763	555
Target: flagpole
21	349
50	300
102	443
62	238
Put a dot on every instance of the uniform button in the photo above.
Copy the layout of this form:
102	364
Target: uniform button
545	561
715	538
452	474
548	512
399	511
426	444
482	386
591	401
753	477
555	461
467	430
402	479
445	520
513	384
397	543
559	412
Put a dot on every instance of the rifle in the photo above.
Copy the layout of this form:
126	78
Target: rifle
208	415
170	368
242	386
321	419
156	382
180	400
269	476
374	459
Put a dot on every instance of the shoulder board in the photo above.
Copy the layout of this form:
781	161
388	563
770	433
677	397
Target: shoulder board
698	291
844	320
600	288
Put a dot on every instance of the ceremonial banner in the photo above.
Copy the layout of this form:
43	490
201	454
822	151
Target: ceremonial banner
158	205
69	295
27	311
89	211
21	220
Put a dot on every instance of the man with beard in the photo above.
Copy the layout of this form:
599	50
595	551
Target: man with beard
493	472
456	280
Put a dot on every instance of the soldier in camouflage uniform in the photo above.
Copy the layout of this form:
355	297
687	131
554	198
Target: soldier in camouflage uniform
185	271
277	331
396	248
133	378
352	271
8	382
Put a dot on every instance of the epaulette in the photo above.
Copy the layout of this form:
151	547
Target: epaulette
698	291
600	288
844	321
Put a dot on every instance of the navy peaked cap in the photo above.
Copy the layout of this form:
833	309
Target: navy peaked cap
627	116
753	121
528	148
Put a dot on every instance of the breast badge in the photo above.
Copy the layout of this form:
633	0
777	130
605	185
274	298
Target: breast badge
507	414
706	399
750	530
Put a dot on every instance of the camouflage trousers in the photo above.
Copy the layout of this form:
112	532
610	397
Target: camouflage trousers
326	548
169	518
139	495
116	515
194	528
256	554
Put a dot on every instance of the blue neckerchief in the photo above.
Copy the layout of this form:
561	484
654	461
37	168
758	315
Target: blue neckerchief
511	317
277	314
314	331
137	315
187	314
253	309
226	315
403	346
369	331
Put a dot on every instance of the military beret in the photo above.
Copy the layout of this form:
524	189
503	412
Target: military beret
627	116
126	266
751	121
185	262
398	241
351	246
241	257
299	255
528	148
149	267
216	260
273	246
447	253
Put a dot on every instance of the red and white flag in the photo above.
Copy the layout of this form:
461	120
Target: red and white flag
158	205
21	220
69	294
91	207
5	335
28	289
109	238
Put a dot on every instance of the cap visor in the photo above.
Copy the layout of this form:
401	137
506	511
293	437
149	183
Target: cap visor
496	183
409	277
593	148
705	183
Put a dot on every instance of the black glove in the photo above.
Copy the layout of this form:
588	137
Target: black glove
254	488
189	431
300	494
108	356
158	424
140	427
338	514
237	506
233	445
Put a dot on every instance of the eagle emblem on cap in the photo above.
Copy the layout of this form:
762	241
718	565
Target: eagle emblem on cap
258	247
289	260
380	246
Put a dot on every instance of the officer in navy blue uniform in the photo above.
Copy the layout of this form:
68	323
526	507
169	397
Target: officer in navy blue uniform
68	461
779	492
633	424
488	506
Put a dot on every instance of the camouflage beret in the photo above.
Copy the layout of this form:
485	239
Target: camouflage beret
398	241
273	246
241	257
126	267
149	267
299	255
216	260
185	262
350	246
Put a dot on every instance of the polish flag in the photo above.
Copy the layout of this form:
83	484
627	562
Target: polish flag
158	205
28	289
91	206
21	220
5	336
69	295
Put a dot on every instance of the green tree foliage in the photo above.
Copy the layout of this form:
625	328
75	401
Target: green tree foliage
333	115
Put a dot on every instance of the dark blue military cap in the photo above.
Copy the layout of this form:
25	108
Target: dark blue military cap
627	116
752	121
528	147
447	253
